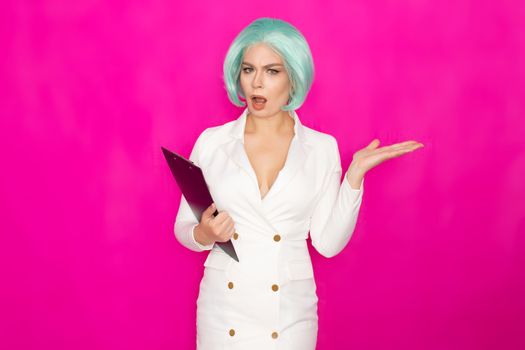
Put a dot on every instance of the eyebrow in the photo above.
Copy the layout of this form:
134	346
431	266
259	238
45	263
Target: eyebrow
268	65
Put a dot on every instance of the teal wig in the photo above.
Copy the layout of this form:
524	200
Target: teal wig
284	39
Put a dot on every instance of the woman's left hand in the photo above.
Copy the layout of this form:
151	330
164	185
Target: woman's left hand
371	156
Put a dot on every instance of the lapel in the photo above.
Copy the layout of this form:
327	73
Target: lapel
297	154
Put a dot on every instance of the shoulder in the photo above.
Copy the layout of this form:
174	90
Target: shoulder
215	134
209	139
324	147
320	140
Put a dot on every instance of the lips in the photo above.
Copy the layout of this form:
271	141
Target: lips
258	99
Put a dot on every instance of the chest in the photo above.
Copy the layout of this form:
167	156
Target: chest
267	158
233	182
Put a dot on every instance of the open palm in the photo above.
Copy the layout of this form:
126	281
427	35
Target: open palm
371	156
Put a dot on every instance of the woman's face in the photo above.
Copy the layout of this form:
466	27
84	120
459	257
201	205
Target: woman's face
263	74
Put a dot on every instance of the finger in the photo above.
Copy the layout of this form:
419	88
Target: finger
231	231
230	227
399	152
411	148
403	144
207	214
221	218
397	146
373	144
227	230
226	224
210	210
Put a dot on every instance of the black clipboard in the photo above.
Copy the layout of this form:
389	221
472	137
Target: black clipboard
191	181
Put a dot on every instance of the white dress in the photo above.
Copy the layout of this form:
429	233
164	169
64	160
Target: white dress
268	299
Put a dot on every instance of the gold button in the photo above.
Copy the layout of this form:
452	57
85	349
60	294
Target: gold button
275	288
235	235
277	238
275	335
232	332
230	285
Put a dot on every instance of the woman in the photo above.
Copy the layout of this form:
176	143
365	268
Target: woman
273	181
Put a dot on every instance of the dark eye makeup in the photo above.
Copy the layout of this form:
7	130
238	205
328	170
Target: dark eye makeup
273	71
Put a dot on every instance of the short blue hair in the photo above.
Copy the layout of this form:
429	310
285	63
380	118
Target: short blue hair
288	42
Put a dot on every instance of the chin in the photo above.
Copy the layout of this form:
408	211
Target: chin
265	110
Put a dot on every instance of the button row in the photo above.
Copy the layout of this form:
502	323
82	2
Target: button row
274	334
275	287
276	237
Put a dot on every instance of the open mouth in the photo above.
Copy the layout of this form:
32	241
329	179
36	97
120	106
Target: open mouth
259	100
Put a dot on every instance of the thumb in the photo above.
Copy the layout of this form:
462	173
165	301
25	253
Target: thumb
373	144
209	211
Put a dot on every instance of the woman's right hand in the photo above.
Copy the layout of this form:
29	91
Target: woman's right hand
214	229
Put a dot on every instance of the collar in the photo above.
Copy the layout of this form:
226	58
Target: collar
239	125
297	155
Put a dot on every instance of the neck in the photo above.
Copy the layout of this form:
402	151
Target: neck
279	123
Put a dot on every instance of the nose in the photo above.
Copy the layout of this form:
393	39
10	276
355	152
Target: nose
257	80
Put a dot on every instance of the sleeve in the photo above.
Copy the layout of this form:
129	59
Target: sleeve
334	218
186	221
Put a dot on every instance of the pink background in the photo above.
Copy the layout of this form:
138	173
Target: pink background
91	90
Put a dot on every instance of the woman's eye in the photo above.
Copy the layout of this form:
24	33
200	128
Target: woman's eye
248	70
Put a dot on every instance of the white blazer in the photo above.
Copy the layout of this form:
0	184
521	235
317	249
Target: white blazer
268	299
